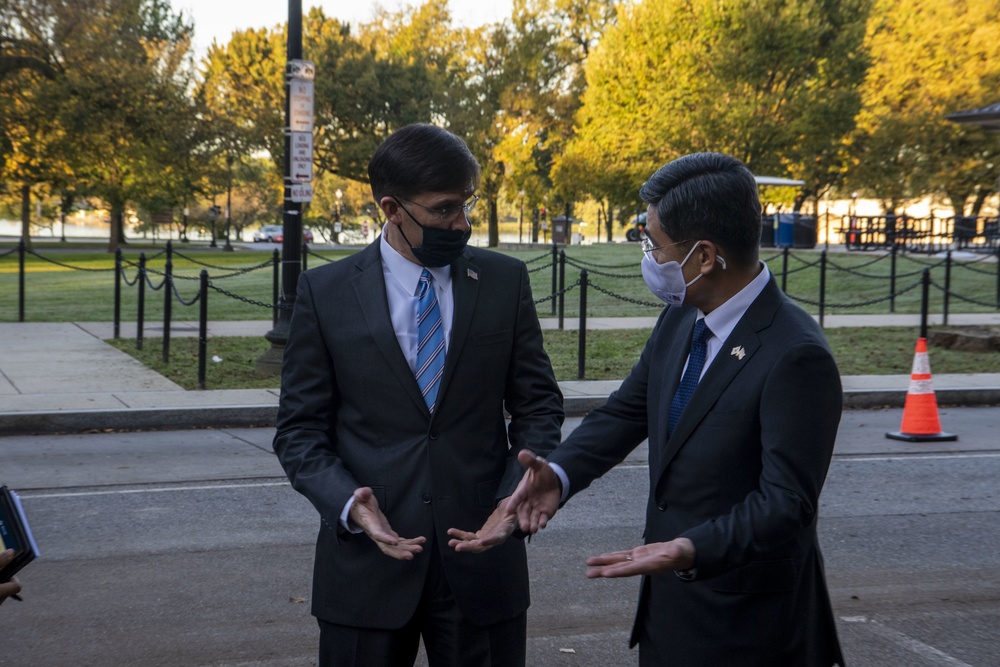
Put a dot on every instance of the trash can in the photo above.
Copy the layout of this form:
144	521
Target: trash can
796	230
786	229
767	231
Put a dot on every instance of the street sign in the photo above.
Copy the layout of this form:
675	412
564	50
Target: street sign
301	69
302	157
301	193
300	103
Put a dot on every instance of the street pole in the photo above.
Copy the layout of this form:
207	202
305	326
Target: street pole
291	245
229	201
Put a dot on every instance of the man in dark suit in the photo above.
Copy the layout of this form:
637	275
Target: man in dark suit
400	363
740	398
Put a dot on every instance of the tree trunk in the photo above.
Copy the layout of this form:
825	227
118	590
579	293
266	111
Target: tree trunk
26	214
117	236
957	202
977	203
494	224
609	222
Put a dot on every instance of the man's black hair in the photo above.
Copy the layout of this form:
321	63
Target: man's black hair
421	158
709	197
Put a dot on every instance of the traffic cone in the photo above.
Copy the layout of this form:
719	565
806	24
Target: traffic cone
920	413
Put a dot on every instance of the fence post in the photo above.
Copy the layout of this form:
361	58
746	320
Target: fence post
168	294
141	315
118	293
924	301
562	287
555	274
581	354
947	286
892	279
784	270
276	258
20	280
822	287
203	326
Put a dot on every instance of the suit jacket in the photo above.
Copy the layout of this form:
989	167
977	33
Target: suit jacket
351	415
740	476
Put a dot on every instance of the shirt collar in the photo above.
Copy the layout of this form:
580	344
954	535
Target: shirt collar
724	319
407	273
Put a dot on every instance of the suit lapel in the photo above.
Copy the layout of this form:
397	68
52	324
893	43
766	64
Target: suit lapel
723	370
369	286
465	290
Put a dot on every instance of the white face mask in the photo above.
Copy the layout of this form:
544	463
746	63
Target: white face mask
666	280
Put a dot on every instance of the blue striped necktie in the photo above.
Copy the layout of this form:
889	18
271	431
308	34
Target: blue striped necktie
430	341
696	362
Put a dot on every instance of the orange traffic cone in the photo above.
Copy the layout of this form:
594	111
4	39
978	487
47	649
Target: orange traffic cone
920	413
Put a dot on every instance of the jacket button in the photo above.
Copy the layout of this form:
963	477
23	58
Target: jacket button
426	498
433	435
661	505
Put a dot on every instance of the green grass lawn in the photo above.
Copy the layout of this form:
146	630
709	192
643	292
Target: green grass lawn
81	286
75	282
610	356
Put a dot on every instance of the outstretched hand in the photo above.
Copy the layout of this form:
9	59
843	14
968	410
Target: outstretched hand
11	587
498	527
365	514
536	498
652	558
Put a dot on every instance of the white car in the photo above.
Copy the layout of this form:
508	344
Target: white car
269	234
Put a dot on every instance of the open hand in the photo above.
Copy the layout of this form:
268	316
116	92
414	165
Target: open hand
536	498
11	587
365	514
648	559
496	530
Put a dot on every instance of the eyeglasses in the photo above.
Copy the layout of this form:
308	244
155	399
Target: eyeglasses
447	213
648	247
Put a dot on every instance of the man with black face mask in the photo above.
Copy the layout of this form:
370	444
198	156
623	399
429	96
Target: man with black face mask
400	364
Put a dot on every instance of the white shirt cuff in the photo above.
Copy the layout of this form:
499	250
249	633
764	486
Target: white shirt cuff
563	479
345	522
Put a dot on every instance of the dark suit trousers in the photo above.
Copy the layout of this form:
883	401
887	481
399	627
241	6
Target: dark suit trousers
450	641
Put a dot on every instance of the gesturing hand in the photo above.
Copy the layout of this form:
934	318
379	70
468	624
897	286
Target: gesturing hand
648	559
536	498
365	514
496	530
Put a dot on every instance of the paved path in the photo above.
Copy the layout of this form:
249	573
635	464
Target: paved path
62	376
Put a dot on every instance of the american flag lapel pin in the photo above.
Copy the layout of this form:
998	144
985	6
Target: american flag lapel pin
738	352
472	274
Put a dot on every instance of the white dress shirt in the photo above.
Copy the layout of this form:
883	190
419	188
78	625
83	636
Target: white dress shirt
402	279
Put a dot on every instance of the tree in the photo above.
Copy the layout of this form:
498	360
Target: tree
929	58
771	82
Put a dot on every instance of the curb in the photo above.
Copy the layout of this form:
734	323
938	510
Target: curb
161	419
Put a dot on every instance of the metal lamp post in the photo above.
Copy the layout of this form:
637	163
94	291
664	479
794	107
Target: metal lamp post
336	218
229	200
291	245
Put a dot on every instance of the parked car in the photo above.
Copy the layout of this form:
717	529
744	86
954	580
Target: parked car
268	234
276	234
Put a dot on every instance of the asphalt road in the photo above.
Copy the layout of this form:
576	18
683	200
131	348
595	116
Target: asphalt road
189	548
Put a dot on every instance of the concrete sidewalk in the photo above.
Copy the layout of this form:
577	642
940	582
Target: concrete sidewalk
63	377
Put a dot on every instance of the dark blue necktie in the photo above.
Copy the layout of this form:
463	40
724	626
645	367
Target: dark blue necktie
430	341
688	383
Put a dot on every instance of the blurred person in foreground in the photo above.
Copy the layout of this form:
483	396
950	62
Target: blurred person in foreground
740	398
12	587
400	363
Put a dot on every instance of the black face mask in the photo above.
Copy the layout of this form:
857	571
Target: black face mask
440	247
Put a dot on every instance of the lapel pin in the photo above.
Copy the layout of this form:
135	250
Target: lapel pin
738	352
472	274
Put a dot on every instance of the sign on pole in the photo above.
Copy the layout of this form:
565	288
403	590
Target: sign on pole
302	193
301	105
302	157
300	127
